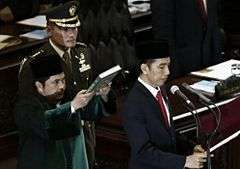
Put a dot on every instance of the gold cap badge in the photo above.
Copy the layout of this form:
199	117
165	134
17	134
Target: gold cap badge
72	10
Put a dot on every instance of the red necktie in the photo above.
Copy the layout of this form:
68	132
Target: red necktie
202	11
159	98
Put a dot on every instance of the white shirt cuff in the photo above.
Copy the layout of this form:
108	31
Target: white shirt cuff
72	109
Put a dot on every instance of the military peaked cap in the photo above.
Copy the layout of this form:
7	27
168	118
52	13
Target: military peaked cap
64	15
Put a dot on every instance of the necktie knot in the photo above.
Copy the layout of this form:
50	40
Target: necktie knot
66	56
159	95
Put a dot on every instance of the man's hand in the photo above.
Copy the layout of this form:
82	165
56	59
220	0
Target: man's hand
196	160
81	99
198	149
104	91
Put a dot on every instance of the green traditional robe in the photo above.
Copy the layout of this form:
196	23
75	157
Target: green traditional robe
45	131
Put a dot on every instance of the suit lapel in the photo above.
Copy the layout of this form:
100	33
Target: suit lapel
210	5
154	103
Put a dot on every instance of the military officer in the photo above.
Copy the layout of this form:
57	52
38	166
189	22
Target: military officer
62	26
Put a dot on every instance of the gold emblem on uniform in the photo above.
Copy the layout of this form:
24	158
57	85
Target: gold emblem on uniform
82	62
72	10
82	56
84	67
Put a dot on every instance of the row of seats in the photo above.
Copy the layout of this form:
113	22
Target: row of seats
106	28
105	25
113	53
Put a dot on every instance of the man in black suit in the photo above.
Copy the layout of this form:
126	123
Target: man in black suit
147	118
191	26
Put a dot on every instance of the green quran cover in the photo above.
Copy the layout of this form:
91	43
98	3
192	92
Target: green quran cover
104	78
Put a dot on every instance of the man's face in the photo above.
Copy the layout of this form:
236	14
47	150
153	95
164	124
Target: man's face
63	37
54	87
157	72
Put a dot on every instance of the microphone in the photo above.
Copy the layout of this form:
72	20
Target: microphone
175	90
199	94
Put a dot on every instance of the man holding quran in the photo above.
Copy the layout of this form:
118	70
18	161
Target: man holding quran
62	26
47	126
147	116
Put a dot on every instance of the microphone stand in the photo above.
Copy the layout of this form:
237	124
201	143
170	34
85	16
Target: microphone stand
209	140
195	116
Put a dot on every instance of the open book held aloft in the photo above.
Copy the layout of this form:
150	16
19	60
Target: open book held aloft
104	78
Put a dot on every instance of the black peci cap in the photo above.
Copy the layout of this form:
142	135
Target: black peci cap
64	15
45	66
152	50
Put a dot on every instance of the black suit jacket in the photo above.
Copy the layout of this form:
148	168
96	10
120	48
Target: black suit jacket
153	146
193	46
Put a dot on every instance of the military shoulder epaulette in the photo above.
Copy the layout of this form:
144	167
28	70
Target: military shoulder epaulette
81	44
36	54
30	57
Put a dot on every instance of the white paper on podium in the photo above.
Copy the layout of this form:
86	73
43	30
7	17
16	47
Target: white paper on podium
205	86
39	21
36	34
220	71
4	37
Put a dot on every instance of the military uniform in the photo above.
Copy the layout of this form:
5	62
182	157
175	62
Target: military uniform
77	73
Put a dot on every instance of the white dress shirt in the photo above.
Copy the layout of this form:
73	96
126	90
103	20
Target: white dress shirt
58	50
154	92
